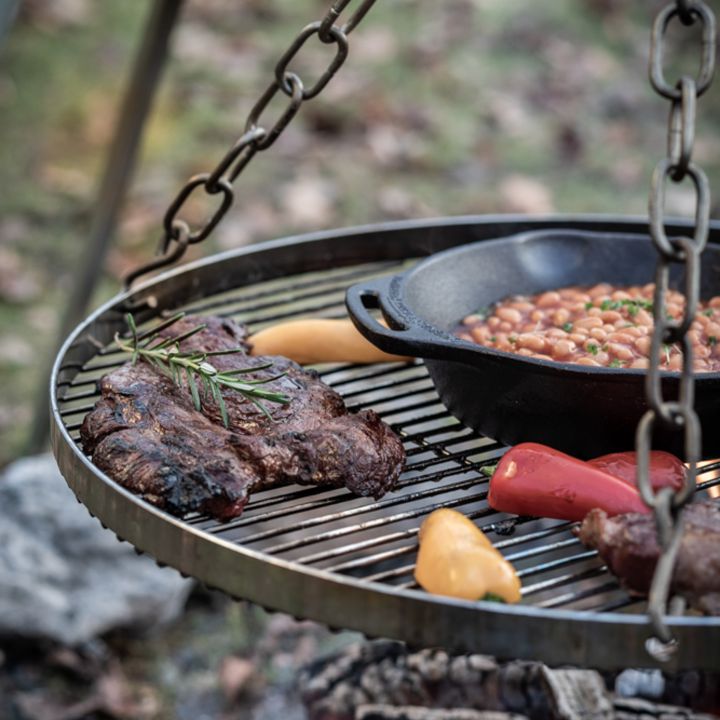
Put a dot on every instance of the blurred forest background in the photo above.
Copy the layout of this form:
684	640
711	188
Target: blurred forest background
442	108
463	106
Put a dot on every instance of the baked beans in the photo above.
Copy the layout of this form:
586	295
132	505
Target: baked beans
602	325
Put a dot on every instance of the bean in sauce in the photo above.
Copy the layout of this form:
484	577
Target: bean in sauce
601	326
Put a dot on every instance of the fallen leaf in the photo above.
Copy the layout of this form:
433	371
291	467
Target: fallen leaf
522	194
396	202
18	283
237	676
308	202
57	14
15	350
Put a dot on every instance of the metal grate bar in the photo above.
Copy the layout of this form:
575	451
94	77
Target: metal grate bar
534	536
532	552
364	509
425	389
555	564
460	432
325	502
392	384
391	574
325	309
560	580
351	548
370	560
619	604
571	597
379	522
374	559
84	409
341	277
363	373
404	409
389	538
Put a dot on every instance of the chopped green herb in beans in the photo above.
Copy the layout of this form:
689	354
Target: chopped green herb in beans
601	325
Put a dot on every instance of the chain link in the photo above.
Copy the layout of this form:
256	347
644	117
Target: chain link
256	137
676	415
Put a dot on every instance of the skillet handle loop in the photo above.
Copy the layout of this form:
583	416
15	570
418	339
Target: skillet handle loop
399	335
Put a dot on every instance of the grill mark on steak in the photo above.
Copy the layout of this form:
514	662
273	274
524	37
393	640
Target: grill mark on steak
628	545
145	433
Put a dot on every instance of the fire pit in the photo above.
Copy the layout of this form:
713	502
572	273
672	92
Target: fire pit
348	561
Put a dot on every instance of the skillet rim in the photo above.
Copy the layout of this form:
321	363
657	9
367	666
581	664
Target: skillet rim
396	284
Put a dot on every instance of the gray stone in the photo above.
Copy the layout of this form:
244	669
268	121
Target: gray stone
62	576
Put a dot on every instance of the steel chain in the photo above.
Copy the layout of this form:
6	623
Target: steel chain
676	415
256	137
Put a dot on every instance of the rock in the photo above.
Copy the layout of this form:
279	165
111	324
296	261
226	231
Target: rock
62	576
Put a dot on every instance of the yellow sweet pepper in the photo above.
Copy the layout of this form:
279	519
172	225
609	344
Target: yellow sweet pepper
457	559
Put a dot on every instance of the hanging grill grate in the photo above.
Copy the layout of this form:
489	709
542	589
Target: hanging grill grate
344	560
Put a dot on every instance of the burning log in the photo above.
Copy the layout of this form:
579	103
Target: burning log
382	680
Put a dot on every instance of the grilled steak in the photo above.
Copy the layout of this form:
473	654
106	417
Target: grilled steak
146	434
628	545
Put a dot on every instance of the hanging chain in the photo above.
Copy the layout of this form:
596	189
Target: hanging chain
177	234
679	416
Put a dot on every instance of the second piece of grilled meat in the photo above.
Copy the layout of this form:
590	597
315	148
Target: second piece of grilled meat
146	434
628	545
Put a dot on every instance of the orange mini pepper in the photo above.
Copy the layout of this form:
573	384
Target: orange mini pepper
457	559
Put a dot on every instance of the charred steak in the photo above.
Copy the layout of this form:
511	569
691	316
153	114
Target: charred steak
628	545
146	434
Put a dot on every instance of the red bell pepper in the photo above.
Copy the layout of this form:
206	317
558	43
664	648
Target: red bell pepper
665	469
533	479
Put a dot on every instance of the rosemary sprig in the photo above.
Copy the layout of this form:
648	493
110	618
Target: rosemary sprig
203	379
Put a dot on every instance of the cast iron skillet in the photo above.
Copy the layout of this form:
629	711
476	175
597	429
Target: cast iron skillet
582	410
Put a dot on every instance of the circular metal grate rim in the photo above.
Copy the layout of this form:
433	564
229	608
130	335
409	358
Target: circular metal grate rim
346	561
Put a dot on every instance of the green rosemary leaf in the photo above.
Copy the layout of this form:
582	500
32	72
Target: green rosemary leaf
223	409
215	391
160	345
229	351
204	383
175	369
184	336
242	371
261	381
193	388
262	409
158	328
201	375
130	320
